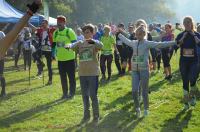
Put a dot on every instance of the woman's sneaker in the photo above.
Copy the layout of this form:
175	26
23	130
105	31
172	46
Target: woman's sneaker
193	101
186	106
146	113
138	112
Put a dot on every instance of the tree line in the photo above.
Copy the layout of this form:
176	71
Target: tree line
95	11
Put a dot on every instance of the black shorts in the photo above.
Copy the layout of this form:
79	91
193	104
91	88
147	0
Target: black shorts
1	66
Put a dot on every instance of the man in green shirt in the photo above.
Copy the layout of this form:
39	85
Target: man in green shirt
66	57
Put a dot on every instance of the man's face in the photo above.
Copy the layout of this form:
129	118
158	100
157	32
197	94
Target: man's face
61	24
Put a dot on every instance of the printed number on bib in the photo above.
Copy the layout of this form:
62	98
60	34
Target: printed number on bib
188	52
138	59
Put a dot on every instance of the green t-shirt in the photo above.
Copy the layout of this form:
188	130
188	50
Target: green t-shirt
62	38
108	42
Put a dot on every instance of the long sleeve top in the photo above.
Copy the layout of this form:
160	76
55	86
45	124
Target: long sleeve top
141	49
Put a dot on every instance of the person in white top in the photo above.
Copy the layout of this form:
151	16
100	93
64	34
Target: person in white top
45	34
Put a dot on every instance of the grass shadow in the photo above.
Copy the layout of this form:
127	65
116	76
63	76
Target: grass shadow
14	82
21	92
28	114
177	123
112	122
156	86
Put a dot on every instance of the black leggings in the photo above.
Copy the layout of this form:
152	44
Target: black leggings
103	60
188	71
2	79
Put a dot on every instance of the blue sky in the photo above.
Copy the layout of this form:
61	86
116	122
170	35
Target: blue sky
186	7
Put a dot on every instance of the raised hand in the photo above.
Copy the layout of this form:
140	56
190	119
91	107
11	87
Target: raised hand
35	6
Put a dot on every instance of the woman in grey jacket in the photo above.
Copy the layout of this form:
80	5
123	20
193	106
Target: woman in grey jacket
140	64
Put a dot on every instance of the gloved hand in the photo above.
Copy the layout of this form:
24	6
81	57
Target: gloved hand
35	5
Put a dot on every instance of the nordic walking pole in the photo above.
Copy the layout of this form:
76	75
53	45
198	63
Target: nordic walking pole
42	72
29	68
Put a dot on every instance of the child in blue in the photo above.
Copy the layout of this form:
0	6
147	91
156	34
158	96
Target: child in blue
188	41
140	64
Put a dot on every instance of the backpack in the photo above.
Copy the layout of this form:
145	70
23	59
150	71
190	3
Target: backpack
67	33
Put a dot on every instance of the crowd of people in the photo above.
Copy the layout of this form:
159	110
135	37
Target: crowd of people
138	49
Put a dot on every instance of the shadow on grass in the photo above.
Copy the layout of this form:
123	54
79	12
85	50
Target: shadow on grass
119	120
11	69
121	100
28	114
112	79
156	86
14	82
21	92
177	123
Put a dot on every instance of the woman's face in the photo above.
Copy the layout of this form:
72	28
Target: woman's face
106	31
167	29
187	24
139	35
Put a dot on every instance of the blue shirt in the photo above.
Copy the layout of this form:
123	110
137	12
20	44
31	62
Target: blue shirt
97	36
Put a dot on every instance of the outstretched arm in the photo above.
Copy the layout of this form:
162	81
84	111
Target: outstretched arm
152	44
10	37
127	41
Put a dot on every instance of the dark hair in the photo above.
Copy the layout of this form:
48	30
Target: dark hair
88	27
120	25
46	21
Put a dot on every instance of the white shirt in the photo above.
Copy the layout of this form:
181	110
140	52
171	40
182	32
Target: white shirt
46	46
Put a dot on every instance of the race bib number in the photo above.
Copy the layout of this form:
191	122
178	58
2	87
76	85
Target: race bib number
86	55
188	52
138	59
60	44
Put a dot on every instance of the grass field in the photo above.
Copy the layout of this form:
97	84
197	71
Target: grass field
39	108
